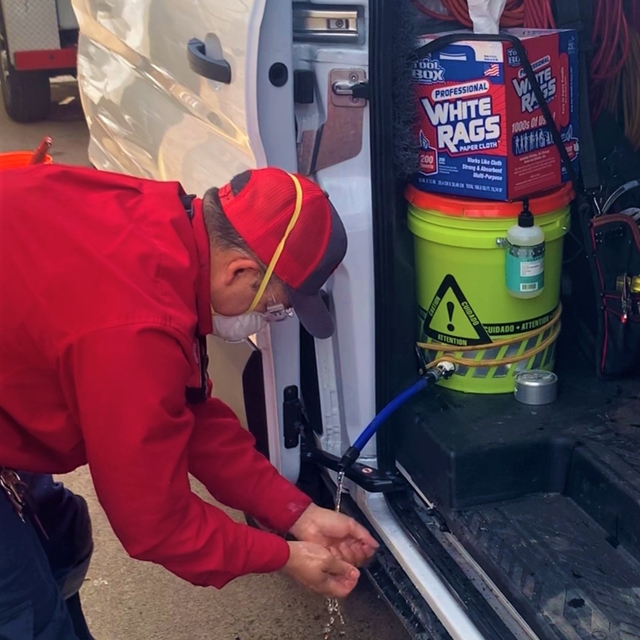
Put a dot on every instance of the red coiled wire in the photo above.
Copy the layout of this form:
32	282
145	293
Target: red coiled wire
611	42
610	39
538	14
634	15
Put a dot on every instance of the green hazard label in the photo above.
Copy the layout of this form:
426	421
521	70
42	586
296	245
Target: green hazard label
451	319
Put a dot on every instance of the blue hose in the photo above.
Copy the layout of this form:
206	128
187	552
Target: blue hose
386	413
353	452
442	370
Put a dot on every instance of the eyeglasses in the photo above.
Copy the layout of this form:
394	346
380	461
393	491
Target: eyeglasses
277	312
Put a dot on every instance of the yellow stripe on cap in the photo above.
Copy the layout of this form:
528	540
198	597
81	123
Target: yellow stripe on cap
278	252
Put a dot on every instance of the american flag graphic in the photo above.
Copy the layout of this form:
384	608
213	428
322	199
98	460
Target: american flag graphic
492	70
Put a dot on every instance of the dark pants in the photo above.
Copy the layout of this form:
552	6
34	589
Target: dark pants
40	578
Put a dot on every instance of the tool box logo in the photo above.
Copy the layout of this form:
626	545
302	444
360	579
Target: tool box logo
547	81
466	124
428	71
513	59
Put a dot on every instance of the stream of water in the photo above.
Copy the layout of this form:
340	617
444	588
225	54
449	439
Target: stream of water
334	627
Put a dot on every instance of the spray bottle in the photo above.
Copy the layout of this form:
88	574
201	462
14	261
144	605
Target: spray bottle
525	256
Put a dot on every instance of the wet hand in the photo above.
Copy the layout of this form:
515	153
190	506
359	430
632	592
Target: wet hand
337	532
320	571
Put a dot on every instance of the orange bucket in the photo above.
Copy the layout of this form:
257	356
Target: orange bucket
17	159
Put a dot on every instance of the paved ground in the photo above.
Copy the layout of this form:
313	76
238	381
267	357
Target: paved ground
129	600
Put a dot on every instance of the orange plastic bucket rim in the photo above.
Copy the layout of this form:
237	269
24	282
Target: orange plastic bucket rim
19	159
540	203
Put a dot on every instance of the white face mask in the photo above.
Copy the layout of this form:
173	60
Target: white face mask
238	328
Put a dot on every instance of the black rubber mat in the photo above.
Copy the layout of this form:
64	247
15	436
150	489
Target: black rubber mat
546	499
565	574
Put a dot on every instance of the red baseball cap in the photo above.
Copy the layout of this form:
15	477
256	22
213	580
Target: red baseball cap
260	205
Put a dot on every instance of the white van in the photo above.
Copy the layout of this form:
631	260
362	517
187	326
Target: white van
497	521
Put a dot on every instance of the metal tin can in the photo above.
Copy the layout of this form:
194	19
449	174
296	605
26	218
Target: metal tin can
536	387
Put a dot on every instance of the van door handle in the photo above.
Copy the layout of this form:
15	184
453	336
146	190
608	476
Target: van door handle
218	70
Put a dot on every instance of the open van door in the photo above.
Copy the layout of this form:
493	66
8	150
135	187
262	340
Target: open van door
170	90
196	92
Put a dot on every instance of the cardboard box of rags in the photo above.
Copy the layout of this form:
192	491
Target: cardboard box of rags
480	128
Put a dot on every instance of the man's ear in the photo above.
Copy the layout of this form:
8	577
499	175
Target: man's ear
239	268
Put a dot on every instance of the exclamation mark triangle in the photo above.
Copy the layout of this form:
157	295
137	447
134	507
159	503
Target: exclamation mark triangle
451	319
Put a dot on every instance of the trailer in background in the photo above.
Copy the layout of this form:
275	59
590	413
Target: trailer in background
38	41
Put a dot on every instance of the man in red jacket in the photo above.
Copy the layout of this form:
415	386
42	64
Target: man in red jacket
108	285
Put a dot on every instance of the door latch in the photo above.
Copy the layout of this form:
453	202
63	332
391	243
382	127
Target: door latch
293	417
349	88
356	90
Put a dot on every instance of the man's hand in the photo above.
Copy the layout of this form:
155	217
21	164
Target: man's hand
320	571
337	532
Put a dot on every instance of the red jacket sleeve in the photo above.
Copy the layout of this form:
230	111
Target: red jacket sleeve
241	477
128	388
